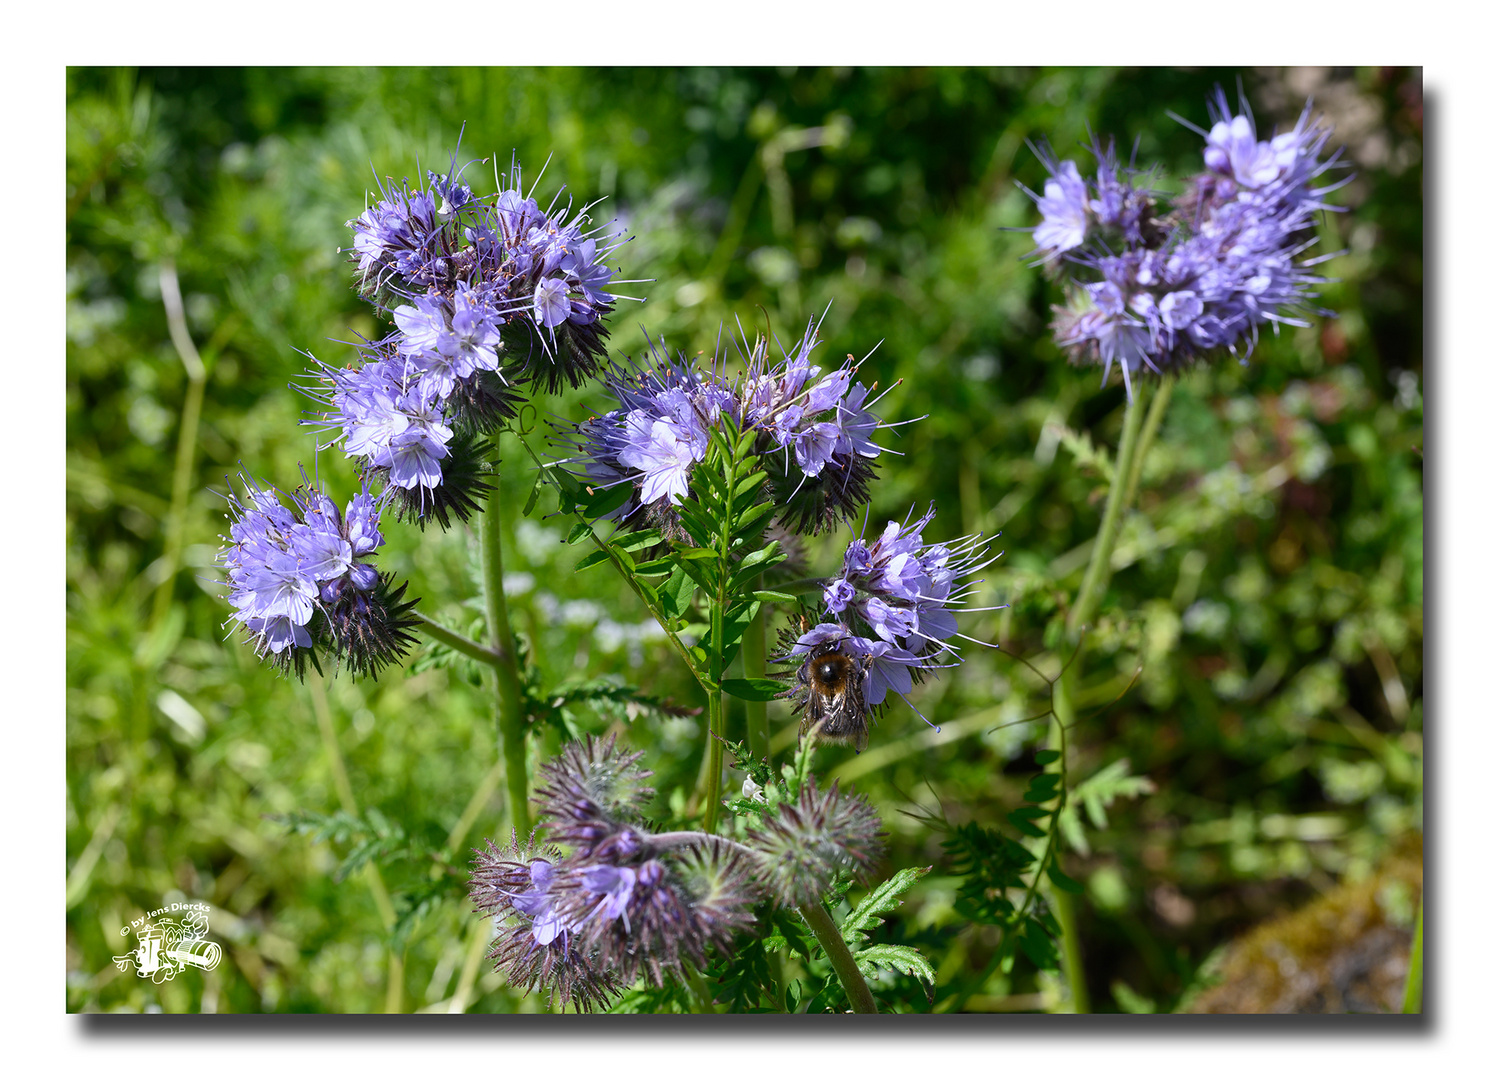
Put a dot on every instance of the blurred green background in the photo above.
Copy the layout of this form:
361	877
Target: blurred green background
1268	583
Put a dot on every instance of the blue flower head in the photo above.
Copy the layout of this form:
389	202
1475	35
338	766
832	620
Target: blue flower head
1155	293
300	579
893	620
486	294
816	433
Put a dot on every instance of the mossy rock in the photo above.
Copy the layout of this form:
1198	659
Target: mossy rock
1347	951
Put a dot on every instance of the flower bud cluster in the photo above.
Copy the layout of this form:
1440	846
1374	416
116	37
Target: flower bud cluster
1158	293
623	903
486	294
300	577
893	607
816	433
800	847
614	902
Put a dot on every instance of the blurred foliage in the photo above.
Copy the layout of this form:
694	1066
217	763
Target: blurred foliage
1267	593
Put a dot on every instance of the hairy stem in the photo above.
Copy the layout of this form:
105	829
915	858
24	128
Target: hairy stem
1151	424
820	921
486	654
1131	449
509	711
715	748
756	724
1093	585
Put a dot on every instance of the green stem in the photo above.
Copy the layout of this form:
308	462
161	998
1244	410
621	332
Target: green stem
1070	951
511	718
1093	585
1151	424
1411	1000
820	921
715	749
756	724
486	654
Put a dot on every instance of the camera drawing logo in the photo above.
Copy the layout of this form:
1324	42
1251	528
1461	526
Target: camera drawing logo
170	945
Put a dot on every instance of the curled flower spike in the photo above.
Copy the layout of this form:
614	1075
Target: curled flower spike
533	944
800	847
817	434
300	578
1155	294
486	294
622	903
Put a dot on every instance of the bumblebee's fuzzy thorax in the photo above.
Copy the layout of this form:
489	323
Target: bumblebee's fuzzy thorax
829	695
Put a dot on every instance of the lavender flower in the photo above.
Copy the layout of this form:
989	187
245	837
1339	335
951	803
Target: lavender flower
893	611
817	434
1158	293
533	944
623	902
298	579
486	294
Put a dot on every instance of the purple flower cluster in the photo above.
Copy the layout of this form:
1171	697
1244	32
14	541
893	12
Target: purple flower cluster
299	577
817	433
623	903
1157	293
892	607
486	294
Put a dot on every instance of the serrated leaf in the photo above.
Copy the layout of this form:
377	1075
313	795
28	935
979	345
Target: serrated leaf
901	958
753	689
888	896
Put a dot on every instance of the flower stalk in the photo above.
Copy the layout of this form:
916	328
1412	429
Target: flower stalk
818	918
511	720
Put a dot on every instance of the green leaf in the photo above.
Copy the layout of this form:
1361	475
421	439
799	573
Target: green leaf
751	517
901	958
1046	757
594	558
1062	880
753	689
773	596
887	897
608	499
1028	828
580	531
532	499
1042	788
1039	947
748	486
632	541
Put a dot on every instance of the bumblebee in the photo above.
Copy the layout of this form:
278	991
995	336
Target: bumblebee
829	689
